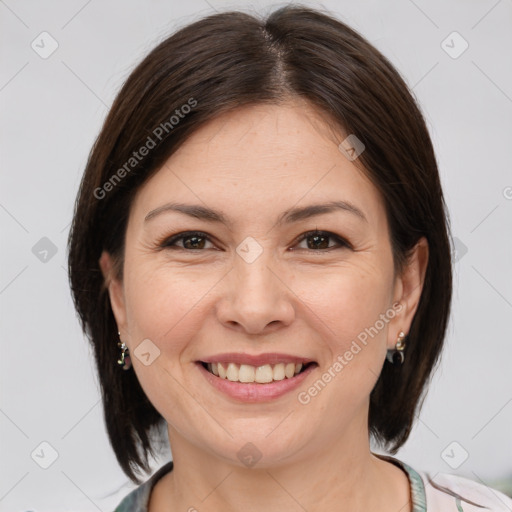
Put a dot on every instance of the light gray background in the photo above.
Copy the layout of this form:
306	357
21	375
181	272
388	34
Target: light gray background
52	110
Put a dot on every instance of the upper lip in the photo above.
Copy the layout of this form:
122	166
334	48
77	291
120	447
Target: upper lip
256	360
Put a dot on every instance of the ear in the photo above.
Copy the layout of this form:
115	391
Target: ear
115	291
407	290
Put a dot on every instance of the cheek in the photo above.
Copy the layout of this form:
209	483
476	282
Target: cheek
347	304
343	308
346	300
160	299
160	303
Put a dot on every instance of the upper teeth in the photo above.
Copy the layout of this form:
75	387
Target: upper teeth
261	374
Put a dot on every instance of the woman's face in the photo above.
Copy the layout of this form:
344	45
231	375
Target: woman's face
251	285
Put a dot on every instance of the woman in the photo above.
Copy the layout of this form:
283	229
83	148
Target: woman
260	240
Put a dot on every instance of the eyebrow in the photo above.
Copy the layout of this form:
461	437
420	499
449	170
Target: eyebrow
287	217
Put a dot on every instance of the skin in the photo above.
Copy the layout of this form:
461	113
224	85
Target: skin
252	165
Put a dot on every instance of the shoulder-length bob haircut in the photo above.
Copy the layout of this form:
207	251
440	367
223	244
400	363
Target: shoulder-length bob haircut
214	65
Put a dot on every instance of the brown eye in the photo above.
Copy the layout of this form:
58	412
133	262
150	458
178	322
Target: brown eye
193	240
319	240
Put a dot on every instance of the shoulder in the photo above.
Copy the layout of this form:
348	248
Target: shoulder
451	492
443	492
138	499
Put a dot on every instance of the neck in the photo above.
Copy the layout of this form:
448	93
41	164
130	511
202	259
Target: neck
342	476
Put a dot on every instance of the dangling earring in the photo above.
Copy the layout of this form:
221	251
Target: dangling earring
125	360
397	356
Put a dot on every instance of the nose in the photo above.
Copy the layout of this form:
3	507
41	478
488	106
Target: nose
255	298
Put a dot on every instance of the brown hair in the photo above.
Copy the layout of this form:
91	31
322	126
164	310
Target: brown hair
230	60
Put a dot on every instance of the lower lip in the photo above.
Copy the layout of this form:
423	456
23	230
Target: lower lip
254	392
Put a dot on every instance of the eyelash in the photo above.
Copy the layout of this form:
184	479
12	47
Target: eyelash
170	241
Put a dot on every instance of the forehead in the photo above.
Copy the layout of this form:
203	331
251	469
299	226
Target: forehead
262	158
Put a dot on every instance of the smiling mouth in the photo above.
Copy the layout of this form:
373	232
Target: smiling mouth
264	374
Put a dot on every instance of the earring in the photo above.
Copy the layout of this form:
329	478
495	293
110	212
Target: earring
396	356
125	360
